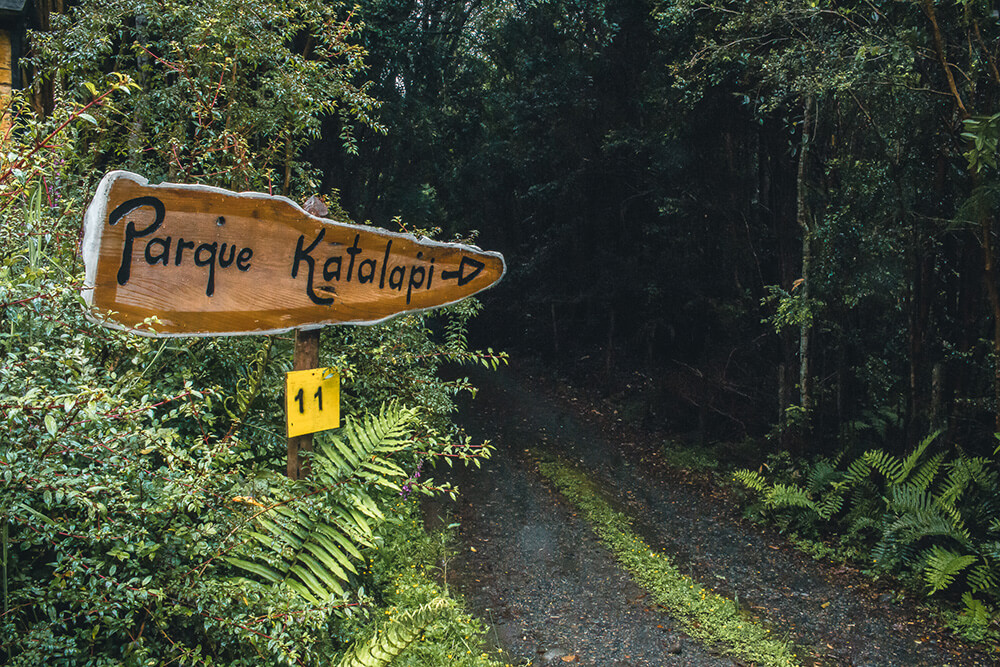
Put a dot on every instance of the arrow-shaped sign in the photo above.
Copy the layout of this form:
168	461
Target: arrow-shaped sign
174	260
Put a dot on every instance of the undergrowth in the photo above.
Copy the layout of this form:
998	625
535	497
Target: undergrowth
929	517
144	515
705	615
407	569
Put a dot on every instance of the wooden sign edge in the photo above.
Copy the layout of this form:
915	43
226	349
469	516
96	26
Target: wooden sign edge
93	228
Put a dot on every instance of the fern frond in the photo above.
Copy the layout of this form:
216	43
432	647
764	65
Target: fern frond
914	526
301	550
391	640
977	612
888	552
361	445
888	465
923	478
786	495
823	474
751	479
943	565
857	471
984	577
906	499
861	523
957	522
911	461
964	473
831	504
311	544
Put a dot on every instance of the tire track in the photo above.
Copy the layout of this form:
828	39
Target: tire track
534	570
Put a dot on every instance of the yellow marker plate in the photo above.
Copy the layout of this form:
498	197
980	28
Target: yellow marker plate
312	401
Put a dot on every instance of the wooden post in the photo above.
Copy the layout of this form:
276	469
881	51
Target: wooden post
6	80
306	357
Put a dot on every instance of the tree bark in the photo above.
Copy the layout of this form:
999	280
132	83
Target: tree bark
993	294
802	215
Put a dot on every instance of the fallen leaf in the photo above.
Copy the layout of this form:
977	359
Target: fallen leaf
569	658
473	549
825	605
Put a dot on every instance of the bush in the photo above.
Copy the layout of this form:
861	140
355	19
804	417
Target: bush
929	516
140	482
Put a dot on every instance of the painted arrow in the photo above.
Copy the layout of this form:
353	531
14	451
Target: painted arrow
180	260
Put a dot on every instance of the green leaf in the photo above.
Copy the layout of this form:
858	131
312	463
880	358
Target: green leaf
943	565
261	571
50	424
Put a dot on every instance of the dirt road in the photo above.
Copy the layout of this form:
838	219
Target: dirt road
531	567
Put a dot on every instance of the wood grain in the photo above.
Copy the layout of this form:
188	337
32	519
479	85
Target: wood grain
206	261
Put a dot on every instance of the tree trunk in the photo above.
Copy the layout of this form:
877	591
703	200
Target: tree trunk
919	292
802	215
993	293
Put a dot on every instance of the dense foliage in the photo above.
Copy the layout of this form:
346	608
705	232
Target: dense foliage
145	517
778	219
784	208
229	91
931	516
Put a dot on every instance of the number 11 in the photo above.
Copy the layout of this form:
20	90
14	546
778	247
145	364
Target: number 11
318	396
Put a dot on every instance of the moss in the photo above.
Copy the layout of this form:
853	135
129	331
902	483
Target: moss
704	614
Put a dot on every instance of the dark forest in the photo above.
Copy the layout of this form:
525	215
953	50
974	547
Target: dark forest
767	229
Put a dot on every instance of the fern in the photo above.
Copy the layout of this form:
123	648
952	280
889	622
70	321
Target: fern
392	639
978	613
906	499
830	505
857	471
915	525
964	473
359	449
823	474
943	565
984	577
787	495
310	543
751	479
887	465
911	461
923	478
919	513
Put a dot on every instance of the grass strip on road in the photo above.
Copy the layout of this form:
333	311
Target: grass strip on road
704	614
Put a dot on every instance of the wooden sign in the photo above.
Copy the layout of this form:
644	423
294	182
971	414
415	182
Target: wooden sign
205	261
312	401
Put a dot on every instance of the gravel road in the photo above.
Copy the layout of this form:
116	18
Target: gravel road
553	595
